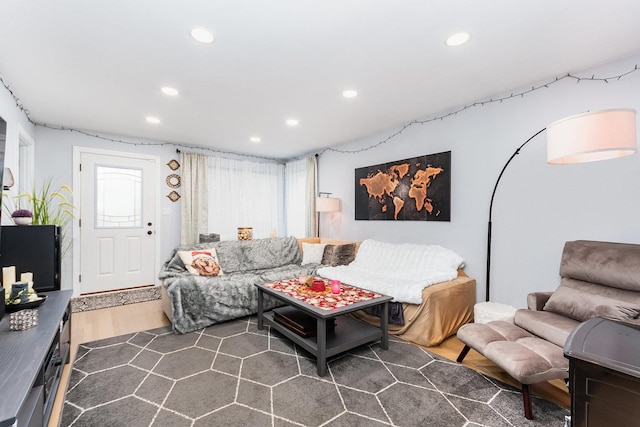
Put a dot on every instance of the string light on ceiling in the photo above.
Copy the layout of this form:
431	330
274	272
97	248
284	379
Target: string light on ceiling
482	103
521	94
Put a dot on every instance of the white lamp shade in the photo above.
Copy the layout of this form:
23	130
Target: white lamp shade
7	179
327	204
592	136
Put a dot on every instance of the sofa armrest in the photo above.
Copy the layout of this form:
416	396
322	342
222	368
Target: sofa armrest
537	300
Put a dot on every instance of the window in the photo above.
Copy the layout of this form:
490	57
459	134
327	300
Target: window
118	197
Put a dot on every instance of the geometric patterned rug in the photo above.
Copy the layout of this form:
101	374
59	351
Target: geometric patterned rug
232	374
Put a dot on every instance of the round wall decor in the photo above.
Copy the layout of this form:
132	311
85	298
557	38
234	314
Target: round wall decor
173	180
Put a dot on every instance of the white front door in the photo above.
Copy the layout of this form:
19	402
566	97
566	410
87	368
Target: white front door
117	222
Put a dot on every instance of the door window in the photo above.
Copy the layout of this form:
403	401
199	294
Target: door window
118	197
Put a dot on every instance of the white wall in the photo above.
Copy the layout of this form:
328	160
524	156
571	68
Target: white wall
17	123
537	206
54	159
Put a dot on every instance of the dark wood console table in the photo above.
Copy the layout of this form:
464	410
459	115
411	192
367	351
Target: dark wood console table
31	363
604	373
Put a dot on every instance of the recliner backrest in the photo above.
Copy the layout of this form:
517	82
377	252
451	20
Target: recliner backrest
616	265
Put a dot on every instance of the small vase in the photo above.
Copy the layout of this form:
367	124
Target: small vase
22	220
245	233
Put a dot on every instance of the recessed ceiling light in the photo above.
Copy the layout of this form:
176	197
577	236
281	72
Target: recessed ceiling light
255	139
202	35
171	91
152	120
292	122
350	93
457	39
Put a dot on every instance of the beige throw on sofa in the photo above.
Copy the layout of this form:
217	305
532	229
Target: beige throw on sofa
445	307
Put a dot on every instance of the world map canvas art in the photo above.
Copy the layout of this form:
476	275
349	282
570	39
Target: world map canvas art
416	189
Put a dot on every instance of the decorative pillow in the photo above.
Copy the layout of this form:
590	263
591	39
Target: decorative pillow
201	262
312	253
582	305
335	255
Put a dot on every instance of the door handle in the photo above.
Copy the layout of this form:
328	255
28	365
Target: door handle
149	232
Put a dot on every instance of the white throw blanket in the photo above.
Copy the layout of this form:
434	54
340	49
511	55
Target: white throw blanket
401	270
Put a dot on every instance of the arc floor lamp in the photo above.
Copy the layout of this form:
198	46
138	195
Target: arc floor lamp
586	137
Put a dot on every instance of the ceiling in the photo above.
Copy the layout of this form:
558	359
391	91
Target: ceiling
99	65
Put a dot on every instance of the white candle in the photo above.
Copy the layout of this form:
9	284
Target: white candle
8	279
26	277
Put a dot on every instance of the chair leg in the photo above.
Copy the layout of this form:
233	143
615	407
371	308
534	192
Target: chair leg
463	354
526	397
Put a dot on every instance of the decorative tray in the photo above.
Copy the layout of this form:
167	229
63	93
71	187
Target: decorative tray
10	308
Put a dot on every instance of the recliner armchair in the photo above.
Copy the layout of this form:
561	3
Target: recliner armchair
598	279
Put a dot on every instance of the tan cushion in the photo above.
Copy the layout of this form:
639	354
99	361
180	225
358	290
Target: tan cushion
581	305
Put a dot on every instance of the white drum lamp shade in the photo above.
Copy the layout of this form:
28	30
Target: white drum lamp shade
327	204
592	136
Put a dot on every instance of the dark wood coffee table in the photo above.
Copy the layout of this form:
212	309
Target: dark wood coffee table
348	333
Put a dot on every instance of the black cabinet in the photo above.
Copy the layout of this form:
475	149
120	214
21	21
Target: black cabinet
34	248
604	373
31	363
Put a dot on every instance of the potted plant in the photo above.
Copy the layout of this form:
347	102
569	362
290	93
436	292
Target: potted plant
22	216
48	205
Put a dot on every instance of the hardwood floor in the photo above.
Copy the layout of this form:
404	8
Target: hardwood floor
110	322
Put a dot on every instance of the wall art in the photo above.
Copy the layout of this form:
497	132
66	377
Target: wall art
173	165
173	180
416	189
173	196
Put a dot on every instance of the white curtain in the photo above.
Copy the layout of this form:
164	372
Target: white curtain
300	197
311	191
194	201
245	193
295	199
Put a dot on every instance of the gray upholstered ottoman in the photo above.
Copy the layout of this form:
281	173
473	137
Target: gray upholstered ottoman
525	357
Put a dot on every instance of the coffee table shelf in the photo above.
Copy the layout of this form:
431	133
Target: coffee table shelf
349	333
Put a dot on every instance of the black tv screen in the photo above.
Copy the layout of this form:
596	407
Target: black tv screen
3	140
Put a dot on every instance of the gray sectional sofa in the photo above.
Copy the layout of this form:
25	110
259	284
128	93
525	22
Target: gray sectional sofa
193	300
